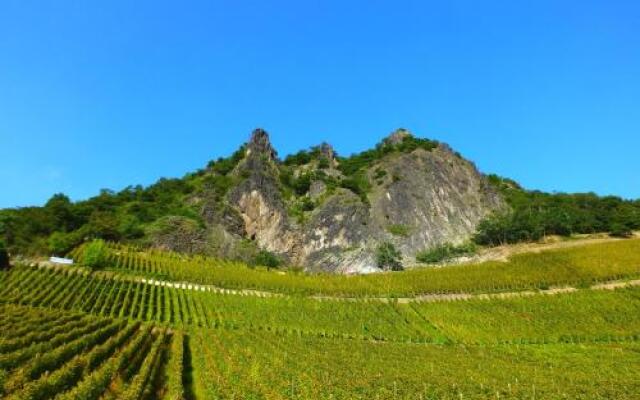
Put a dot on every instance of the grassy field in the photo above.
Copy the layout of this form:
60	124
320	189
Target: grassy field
68	333
580	265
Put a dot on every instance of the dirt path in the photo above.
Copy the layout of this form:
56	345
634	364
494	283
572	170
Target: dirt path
425	298
502	253
430	298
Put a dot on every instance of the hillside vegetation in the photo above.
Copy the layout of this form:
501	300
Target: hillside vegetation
75	332
580	265
223	285
212	212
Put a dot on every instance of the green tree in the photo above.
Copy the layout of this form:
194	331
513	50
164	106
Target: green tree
388	257
60	210
61	243
95	254
267	259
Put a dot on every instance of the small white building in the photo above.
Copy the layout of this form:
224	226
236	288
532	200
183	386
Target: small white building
60	260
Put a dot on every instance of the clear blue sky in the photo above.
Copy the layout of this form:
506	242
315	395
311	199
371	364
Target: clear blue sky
103	94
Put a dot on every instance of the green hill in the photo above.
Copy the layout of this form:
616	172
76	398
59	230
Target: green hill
381	208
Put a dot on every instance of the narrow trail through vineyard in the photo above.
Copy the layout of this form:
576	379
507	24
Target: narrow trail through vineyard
425	298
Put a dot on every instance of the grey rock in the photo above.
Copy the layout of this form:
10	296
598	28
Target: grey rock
424	199
317	189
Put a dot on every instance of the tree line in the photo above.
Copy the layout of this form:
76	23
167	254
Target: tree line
531	215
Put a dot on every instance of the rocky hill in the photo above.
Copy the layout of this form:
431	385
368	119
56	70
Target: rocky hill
380	208
329	213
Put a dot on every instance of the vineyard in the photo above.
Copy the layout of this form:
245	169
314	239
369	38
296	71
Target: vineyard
576	266
64	355
154	326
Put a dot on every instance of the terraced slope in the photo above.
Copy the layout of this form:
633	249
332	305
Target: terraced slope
575	266
69	333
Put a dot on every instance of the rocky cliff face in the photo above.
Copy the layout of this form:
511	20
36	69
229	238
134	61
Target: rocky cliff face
415	197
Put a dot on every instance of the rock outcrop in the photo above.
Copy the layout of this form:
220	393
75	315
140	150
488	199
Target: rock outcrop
417	198
258	198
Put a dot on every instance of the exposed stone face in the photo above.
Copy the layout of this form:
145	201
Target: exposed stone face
214	213
329	154
258	200
317	189
424	199
435	197
259	143
397	137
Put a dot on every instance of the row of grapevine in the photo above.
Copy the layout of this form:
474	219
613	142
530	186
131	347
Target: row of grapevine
569	266
256	365
100	358
584	315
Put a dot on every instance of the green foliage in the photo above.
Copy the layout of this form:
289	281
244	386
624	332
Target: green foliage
95	254
267	259
301	184
621	230
355	163
534	215
388	257
358	184
120	216
60	243
223	166
399	230
379	175
175	370
307	204
446	252
300	207
303	157
300	158
354	167
177	232
323	163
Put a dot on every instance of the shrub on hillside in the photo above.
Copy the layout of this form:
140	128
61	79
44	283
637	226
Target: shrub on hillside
388	257
620	230
60	243
267	259
95	254
446	252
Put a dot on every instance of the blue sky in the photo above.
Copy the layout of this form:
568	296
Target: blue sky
111	93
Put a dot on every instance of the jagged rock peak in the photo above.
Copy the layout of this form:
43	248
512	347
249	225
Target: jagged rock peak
397	136
327	151
259	144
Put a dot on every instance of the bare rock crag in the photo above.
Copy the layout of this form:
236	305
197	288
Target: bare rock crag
417	199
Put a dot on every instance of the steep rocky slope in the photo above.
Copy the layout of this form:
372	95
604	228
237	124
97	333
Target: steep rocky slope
327	215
